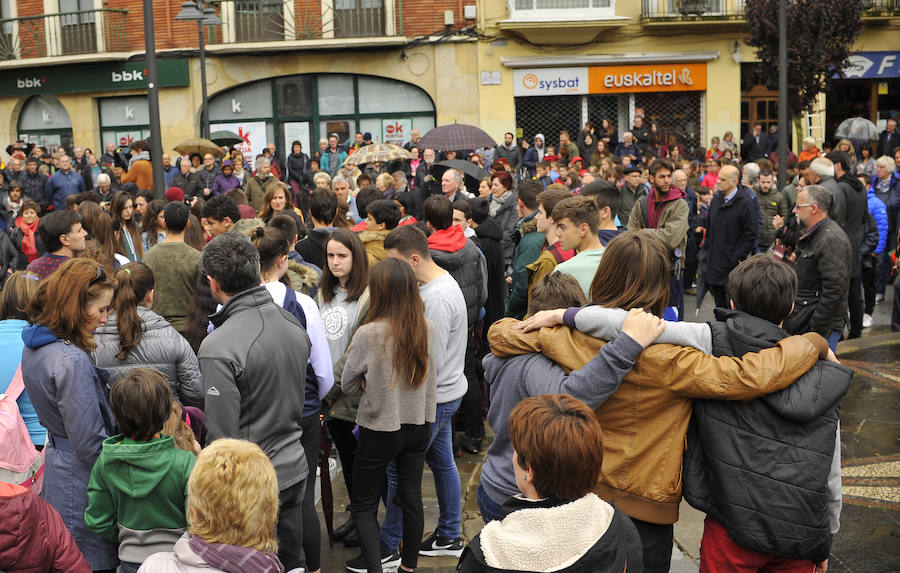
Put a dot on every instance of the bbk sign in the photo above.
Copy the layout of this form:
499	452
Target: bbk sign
30	82
126	76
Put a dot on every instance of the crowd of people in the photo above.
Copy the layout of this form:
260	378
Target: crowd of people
176	360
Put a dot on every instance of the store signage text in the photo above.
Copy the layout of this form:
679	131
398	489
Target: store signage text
95	77
610	79
550	81
873	65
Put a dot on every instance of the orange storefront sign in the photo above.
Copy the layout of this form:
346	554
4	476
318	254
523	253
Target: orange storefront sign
673	77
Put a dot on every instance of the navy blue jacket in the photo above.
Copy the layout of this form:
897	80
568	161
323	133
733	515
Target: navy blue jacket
731	231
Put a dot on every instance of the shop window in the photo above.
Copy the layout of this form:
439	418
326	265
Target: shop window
124	120
44	121
244	102
677	113
380	95
295	96
549	116
336	95
77	29
344	128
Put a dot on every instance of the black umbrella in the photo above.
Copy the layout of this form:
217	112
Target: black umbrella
456	136
701	280
473	173
225	138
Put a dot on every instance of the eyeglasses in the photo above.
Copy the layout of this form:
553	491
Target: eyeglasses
101	276
803	204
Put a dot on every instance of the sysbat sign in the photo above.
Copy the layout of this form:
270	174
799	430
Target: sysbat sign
670	77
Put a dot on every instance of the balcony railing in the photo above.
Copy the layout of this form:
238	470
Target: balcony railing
733	10
280	20
667	10
66	34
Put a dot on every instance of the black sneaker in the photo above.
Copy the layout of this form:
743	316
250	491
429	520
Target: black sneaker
389	562
434	546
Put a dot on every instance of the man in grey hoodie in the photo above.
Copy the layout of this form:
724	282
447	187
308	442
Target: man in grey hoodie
254	372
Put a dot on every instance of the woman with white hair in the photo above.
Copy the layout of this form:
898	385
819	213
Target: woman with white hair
104	188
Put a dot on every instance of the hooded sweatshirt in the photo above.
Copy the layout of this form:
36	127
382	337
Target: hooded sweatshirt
461	258
583	535
137	495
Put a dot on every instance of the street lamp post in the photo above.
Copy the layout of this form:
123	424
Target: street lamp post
156	150
197	11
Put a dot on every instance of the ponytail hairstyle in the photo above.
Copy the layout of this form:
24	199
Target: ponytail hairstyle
133	282
394	299
271	245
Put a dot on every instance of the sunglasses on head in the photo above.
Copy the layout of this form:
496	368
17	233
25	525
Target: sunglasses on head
101	276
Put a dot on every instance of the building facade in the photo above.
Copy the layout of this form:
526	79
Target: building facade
72	71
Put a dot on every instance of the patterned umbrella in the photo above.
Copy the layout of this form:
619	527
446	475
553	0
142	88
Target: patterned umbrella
201	146
382	152
456	136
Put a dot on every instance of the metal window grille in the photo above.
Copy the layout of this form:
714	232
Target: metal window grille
673	113
548	115
602	107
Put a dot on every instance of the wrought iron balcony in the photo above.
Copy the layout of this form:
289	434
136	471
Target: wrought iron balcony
670	11
65	34
282	20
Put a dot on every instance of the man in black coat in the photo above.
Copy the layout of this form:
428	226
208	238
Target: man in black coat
823	275
731	232
755	144
855	212
889	139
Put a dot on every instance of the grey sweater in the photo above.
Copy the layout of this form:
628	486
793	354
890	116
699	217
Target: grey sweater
386	402
514	379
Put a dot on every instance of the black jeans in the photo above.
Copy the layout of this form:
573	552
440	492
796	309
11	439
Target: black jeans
312	536
406	447
855	304
868	283
290	526
657	543
342	435
472	399
719	295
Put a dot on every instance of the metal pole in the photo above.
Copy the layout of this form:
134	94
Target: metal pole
156	149
204	112
783	123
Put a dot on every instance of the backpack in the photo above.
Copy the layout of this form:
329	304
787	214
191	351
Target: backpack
292	306
20	462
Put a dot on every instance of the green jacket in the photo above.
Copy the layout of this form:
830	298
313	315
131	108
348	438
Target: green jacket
527	251
137	495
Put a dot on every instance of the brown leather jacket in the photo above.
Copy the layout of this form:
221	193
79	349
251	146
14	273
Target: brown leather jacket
645	421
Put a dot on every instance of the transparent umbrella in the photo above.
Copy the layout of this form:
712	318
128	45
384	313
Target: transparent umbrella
859	130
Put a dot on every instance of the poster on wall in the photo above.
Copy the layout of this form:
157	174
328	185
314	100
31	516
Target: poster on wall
126	138
296	131
252	134
395	131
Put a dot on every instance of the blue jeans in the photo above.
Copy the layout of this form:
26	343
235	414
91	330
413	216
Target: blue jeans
833	338
490	509
439	458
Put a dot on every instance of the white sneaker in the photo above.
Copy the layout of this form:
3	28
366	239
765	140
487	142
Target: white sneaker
879	298
867	320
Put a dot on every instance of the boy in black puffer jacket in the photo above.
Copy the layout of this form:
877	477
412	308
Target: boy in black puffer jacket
766	472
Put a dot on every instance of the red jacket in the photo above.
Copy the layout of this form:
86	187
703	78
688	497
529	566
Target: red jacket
33	538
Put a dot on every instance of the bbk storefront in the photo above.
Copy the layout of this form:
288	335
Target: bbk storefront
86	103
670	95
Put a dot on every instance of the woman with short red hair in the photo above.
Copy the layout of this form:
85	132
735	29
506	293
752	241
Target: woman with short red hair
557	523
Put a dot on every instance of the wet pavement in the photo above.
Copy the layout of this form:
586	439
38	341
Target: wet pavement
869	539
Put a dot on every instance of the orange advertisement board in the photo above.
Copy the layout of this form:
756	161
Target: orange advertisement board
673	77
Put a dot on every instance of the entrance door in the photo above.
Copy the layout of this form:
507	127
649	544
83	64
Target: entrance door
760	104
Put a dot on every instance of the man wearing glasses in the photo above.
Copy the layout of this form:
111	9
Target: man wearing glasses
823	269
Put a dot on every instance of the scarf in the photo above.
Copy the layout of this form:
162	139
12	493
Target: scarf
497	202
145	155
234	558
29	244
